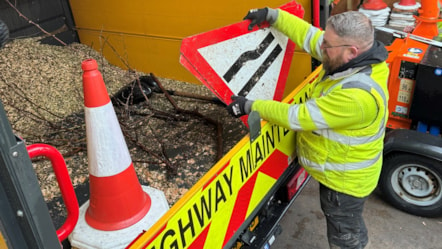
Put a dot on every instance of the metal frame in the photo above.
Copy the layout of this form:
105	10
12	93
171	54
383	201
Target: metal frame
24	217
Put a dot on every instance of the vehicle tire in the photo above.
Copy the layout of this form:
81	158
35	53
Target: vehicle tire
412	184
4	33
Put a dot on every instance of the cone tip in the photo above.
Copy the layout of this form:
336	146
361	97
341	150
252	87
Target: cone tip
89	64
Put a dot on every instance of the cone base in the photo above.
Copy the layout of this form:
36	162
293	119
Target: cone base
86	237
116	201
116	225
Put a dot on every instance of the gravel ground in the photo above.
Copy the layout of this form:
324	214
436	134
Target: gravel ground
171	147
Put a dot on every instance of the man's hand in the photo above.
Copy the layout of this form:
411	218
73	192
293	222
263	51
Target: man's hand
256	16
240	106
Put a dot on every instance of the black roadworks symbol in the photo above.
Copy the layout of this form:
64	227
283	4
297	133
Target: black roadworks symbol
253	55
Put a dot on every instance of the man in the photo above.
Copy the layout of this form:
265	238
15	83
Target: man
341	126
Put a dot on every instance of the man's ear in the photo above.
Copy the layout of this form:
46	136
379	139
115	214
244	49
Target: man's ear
353	52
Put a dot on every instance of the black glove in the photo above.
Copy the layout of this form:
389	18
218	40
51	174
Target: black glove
240	106
256	16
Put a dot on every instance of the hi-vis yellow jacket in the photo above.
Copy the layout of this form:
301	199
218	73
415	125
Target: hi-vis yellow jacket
342	125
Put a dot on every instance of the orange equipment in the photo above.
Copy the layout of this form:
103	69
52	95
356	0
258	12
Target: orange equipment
405	54
427	20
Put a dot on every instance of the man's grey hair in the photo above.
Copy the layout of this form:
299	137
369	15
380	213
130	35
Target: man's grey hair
353	25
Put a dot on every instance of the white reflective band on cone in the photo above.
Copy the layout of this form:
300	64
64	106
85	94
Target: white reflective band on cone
111	155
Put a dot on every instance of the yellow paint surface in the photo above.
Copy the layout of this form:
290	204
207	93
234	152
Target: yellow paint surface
147	35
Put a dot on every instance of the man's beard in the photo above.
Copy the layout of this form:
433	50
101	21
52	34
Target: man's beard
330	65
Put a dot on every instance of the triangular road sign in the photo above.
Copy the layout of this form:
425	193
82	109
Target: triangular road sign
235	61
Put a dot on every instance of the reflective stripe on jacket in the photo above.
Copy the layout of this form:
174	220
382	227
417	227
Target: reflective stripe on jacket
341	128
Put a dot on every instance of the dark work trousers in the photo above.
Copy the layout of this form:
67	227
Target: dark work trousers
345	225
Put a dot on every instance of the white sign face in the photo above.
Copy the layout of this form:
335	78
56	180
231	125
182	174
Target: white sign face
249	64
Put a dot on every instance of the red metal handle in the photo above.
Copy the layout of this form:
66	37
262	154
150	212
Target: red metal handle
64	182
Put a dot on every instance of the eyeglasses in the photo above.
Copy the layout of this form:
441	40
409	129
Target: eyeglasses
345	45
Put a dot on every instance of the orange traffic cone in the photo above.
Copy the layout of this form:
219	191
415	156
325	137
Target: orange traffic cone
117	200
377	11
402	15
116	197
407	2
374	5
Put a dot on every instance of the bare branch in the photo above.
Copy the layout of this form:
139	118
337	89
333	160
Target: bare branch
35	24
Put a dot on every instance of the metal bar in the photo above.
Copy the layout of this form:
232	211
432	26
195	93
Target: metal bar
402	35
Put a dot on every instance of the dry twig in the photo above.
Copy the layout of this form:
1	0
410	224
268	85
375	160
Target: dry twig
35	24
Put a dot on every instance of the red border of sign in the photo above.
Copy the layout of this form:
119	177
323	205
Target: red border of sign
193	61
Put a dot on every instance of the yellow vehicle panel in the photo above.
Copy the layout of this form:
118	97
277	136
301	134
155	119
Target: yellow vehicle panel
147	35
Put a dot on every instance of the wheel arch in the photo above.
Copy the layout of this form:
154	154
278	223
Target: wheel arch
413	142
